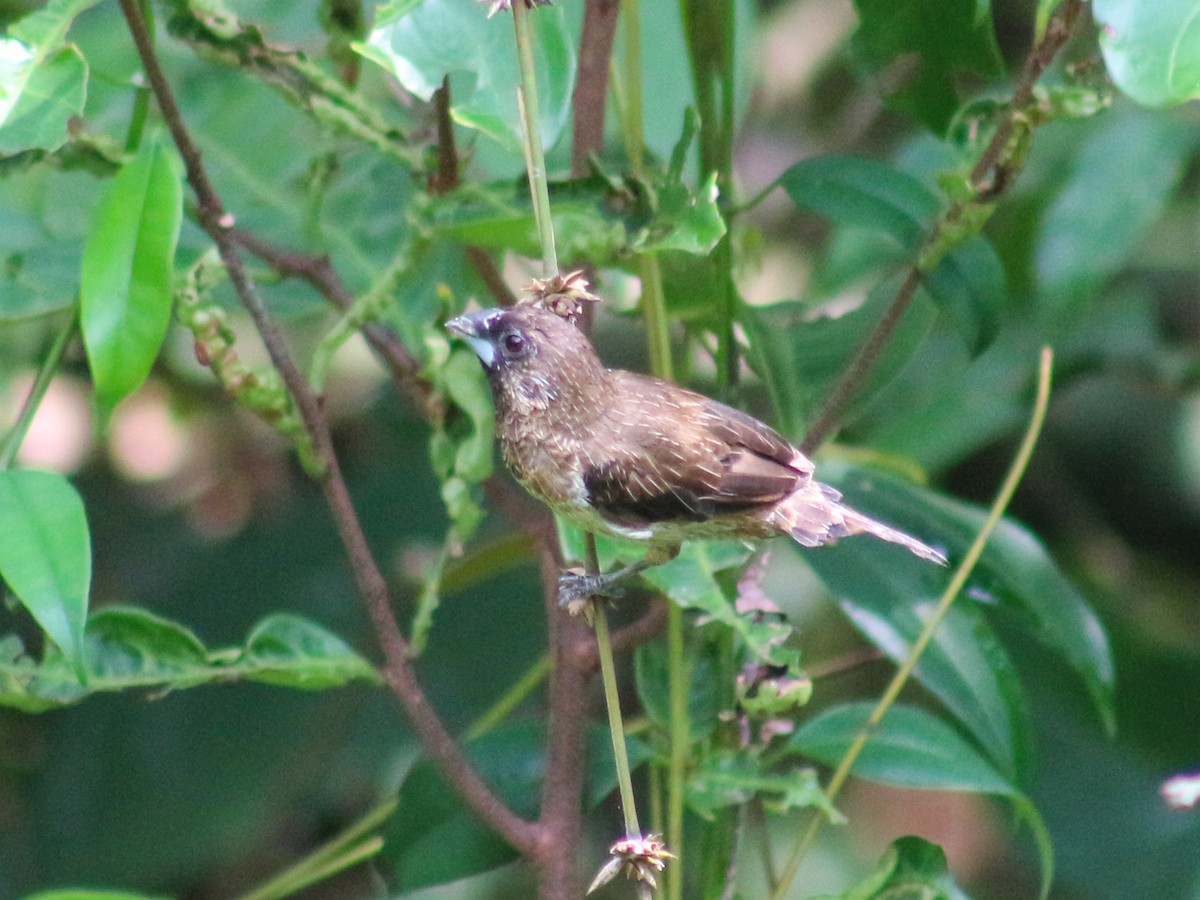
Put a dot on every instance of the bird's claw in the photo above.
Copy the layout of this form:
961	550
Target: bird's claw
575	589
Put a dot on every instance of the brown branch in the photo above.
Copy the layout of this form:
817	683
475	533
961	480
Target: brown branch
430	729
318	272
561	819
591	82
991	176
446	180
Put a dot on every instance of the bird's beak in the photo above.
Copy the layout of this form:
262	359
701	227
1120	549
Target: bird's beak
472	328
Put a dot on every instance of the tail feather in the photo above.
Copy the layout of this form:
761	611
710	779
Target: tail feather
815	515
857	523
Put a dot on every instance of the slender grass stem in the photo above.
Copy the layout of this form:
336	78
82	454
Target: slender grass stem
612	699
535	157
41	383
961	574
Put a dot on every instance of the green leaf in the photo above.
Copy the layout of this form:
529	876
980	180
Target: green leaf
912	869
42	83
288	650
46	556
965	666
1151	48
909	748
772	356
731	779
690	581
684	221
938	40
863	193
469	390
423	41
1015	571
968	286
35	115
1097	220
652	676
806	354
129	648
888	595
128	264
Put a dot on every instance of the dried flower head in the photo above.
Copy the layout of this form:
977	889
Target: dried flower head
564	295
640	858
498	5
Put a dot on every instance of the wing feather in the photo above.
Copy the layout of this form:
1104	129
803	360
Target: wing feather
679	456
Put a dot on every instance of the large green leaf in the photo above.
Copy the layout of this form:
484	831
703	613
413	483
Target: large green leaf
1151	48
938	40
52	94
965	666
422	41
1095	223
805	354
909	748
129	649
46	557
42	83
127	270
1014	572
863	193
968	286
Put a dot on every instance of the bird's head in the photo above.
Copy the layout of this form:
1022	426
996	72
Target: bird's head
531	355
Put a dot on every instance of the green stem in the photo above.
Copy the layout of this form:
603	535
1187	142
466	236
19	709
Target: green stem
524	686
41	383
658	340
612	700
142	95
678	677
654	305
535	157
346	849
962	573
632	119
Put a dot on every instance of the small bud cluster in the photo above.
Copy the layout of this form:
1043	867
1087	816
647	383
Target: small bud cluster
640	858
564	295
496	6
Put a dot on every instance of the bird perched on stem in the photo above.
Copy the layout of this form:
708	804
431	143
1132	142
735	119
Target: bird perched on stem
642	458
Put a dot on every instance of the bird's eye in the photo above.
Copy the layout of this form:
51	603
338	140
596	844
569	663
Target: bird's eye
514	344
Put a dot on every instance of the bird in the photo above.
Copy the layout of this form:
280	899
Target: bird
638	457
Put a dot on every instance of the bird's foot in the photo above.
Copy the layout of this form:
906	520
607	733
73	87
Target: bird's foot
575	589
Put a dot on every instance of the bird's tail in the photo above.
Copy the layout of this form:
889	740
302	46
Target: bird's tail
815	515
857	523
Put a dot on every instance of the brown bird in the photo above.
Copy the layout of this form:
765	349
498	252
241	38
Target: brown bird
638	457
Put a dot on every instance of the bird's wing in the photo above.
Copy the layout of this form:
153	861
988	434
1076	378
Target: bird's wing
672	455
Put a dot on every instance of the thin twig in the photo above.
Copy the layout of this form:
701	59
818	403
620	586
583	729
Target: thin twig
318	272
432	732
990	177
561	819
